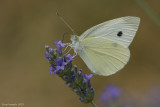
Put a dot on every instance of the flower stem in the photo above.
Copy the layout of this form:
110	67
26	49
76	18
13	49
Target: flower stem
152	14
93	104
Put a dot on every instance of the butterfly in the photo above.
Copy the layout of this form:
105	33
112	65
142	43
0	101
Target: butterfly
104	47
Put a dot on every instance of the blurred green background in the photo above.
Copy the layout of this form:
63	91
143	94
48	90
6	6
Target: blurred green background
26	26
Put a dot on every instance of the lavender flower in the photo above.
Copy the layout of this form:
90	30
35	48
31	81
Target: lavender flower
111	92
60	64
113	96
52	69
110	96
62	44
74	78
68	58
59	47
153	97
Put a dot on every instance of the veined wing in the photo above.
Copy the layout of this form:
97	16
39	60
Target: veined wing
102	56
121	30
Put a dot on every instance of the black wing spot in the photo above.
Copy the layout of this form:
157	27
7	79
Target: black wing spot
120	33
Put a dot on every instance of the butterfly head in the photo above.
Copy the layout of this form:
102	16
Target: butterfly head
76	43
74	39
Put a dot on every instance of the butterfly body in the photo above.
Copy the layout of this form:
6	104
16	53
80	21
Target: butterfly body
104	47
77	47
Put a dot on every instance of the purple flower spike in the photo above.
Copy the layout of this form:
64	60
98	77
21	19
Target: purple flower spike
60	64
62	44
110	93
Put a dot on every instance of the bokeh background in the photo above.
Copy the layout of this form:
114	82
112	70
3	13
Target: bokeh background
26	26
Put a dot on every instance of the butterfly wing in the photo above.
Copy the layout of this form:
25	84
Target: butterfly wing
103	56
121	30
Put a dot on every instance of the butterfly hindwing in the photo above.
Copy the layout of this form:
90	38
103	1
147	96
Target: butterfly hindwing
103	56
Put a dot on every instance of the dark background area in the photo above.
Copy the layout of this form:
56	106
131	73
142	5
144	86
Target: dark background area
26	26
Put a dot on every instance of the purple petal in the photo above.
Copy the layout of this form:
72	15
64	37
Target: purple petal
52	68
59	42
92	88
50	50
58	46
69	55
80	98
52	73
55	42
62	44
68	58
64	63
58	68
62	67
59	62
88	76
46	55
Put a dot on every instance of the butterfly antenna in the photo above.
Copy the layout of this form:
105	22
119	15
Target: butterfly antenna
65	22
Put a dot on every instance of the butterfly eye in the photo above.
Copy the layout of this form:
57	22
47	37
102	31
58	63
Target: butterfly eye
119	33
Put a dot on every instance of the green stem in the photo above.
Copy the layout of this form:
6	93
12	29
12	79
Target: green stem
93	104
150	12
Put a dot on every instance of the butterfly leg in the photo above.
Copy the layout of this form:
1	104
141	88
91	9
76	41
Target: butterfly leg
75	54
68	51
68	45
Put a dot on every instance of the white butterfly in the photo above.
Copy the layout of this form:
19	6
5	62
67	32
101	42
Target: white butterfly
104	47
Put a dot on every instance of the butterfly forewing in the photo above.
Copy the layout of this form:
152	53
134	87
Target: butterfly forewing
121	30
